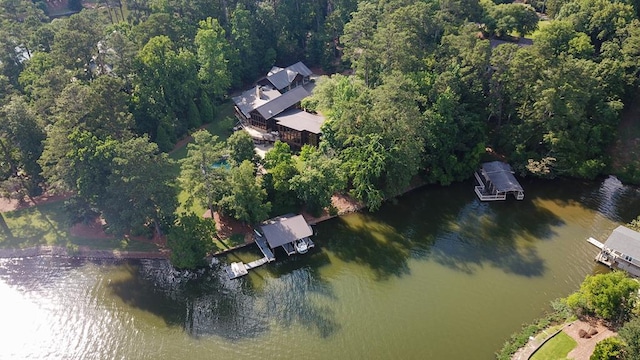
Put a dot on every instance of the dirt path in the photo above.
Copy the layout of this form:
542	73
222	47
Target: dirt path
586	346
7	205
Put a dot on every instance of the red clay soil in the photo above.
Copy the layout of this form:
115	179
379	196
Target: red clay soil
12	204
92	230
95	230
227	226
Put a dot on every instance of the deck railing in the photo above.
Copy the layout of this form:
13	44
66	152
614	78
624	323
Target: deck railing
488	197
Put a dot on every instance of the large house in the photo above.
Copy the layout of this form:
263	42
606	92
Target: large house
273	105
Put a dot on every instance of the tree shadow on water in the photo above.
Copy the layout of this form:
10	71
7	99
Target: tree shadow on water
202	303
366	239
497	234
449	226
209	304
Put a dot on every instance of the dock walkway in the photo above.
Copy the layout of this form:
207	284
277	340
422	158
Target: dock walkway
262	244
238	269
595	243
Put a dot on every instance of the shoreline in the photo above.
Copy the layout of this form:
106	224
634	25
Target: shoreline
81	253
343	203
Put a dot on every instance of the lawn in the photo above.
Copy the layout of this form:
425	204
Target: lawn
46	224
556	348
541	25
222	126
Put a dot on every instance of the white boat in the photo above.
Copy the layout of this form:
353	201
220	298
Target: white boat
301	246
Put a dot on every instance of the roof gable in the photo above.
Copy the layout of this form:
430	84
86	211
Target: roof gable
300	68
281	78
282	102
254	98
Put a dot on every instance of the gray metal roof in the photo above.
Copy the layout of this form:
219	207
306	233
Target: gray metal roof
285	229
274	70
281	78
300	120
249	100
300	68
282	102
501	175
624	240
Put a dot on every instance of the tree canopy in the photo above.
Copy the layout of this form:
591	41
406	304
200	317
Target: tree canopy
611	296
90	101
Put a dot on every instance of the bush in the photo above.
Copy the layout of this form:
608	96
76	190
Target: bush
608	349
521	338
630	334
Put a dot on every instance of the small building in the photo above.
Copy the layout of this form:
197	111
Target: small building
291	232
496	180
621	250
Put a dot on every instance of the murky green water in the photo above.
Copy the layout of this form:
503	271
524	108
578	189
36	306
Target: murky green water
435	275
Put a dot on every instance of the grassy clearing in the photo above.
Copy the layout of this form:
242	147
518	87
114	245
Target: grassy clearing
556	348
46	224
541	25
222	126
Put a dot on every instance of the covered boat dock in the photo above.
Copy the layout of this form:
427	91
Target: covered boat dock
621	250
289	231
496	180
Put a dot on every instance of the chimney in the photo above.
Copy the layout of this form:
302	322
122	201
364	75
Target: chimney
258	92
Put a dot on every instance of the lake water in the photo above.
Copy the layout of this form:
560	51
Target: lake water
434	275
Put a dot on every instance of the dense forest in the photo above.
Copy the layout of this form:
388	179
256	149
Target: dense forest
91	103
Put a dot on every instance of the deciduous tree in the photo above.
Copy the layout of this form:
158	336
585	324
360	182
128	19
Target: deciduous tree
246	200
611	296
190	240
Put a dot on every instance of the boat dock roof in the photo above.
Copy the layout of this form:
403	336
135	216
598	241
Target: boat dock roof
285	229
624	241
501	176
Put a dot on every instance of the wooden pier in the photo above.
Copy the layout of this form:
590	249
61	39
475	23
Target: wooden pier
595	243
238	269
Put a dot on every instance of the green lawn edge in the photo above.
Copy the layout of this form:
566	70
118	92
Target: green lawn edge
558	347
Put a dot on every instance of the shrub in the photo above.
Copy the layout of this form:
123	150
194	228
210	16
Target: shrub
608	349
